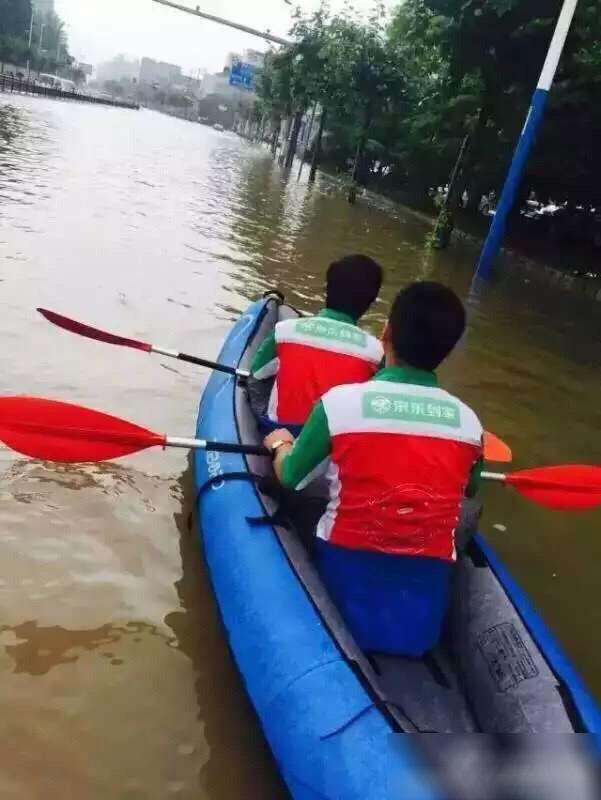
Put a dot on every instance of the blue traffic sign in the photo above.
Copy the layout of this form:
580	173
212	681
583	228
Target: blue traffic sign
242	75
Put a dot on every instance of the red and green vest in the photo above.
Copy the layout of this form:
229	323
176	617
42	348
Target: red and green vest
398	453
309	356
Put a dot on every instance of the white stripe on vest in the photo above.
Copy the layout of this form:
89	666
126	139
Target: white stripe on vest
390	407
330	334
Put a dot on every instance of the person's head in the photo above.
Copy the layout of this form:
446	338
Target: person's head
426	321
352	284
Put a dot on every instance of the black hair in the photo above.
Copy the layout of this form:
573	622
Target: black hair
426	322
352	284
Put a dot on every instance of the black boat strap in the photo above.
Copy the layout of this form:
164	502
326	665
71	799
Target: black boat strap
278	518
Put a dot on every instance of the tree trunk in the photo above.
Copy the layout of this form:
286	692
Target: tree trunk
308	132
275	136
292	144
352	194
473	181
285	138
317	146
443	229
448	201
262	126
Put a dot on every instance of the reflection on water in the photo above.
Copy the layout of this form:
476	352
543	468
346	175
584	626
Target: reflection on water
116	679
40	649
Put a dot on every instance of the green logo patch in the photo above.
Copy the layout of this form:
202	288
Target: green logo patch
410	408
323	328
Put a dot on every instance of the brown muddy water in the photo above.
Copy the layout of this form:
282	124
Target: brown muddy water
115	679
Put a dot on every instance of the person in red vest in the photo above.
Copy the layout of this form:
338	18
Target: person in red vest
399	454
310	355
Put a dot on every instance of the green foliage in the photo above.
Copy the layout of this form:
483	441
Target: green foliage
15	17
48	52
406	89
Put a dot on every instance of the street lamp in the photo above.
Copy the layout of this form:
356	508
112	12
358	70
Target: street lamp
198	13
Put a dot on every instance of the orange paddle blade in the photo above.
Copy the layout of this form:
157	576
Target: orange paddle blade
496	449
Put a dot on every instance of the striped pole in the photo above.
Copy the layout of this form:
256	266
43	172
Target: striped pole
526	141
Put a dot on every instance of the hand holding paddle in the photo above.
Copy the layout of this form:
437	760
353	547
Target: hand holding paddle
54	431
495	449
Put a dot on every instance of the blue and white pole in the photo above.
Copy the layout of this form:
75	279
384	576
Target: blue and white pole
526	141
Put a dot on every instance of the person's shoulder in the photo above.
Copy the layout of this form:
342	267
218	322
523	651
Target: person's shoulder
342	393
468	414
287	324
374	347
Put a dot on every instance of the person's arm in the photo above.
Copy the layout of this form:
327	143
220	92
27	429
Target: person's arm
297	463
265	362
475	478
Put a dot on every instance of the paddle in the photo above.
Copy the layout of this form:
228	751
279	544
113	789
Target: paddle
54	431
111	338
495	449
569	487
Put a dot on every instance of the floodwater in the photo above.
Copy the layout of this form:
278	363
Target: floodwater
116	680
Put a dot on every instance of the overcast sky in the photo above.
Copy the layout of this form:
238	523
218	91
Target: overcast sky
101	29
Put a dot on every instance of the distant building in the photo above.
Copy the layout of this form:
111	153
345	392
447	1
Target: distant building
218	84
253	57
87	69
159	72
118	69
43	7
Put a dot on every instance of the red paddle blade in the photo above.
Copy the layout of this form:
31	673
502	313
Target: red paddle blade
92	333
55	431
496	449
570	487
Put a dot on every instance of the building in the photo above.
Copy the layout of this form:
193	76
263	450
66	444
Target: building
253	57
87	69
118	69
43	7
158	72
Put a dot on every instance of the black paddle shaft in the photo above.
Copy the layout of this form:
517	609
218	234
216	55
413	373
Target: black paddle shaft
230	447
201	362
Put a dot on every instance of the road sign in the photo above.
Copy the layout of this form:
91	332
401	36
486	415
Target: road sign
243	75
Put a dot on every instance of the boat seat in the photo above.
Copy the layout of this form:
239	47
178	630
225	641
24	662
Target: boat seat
406	681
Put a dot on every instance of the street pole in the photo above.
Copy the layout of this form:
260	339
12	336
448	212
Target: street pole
526	141
29	45
197	13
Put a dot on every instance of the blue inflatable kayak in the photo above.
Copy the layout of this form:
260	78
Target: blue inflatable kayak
327	709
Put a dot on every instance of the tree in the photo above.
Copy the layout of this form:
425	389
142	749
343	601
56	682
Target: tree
402	95
15	18
372	78
274	91
338	63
